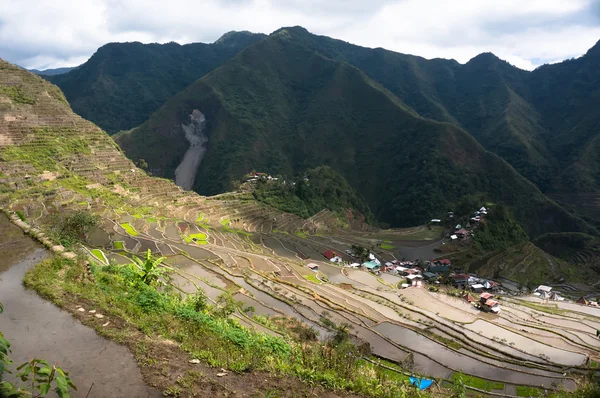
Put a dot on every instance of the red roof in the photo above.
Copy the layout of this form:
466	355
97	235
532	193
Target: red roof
462	231
486	296
445	261
468	297
460	276
329	254
491	303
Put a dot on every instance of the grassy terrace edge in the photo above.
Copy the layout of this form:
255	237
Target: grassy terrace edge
135	309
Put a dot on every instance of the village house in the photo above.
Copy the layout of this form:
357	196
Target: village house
468	298
460	280
543	292
313	266
372	266
487	304
430	276
329	254
477	288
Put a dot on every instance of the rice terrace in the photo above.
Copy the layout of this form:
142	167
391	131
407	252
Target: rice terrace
229	288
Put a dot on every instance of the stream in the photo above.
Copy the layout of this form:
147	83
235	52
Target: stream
37	328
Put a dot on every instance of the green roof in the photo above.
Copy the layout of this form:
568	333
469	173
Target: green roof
371	264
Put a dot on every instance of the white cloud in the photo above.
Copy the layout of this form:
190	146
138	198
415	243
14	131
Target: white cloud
39	33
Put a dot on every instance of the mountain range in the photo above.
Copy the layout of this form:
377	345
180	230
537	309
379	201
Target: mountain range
411	135
123	83
52	71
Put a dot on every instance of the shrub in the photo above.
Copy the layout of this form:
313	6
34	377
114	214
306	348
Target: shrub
72	228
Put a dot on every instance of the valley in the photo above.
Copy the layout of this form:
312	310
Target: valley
238	281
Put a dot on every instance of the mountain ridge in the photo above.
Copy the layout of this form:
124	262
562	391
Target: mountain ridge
269	108
123	83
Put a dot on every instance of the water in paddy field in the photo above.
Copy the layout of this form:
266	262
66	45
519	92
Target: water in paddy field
37	328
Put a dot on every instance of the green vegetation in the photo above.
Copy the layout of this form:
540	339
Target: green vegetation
198	238
119	245
386	246
499	232
306	195
57	145
71	228
419	233
301	235
408	169
129	229
16	94
99	254
20	215
207	332
148	270
525	391
312	278
143	77
477	382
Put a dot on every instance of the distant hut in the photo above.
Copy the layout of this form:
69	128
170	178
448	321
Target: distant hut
468	298
582	300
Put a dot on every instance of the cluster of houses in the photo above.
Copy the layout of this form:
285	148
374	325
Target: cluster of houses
464	233
474	283
254	177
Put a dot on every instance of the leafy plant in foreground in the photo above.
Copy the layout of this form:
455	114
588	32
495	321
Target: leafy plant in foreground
37	375
148	270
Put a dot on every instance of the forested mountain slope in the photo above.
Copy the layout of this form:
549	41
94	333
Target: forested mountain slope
282	107
123	83
542	122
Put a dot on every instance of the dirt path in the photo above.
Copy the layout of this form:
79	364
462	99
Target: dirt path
38	329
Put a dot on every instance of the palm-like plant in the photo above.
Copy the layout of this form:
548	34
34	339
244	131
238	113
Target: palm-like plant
148	269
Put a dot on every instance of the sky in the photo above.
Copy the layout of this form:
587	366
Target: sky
527	33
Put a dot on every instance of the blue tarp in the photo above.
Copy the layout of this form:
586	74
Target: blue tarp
423	384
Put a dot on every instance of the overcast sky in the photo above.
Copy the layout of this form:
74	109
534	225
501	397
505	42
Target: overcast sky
526	33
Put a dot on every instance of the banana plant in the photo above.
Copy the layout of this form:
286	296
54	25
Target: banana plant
148	269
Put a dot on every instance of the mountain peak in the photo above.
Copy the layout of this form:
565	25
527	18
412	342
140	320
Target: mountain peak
486	57
594	51
291	29
233	35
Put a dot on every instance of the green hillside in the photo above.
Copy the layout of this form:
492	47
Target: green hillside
309	193
123	83
543	122
484	97
281	107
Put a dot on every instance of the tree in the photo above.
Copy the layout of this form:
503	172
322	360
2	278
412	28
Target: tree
142	164
361	253
73	227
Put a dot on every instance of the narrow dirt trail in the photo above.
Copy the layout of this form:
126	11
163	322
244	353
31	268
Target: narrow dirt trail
37	328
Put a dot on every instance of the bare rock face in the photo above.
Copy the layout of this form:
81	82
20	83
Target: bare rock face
185	174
